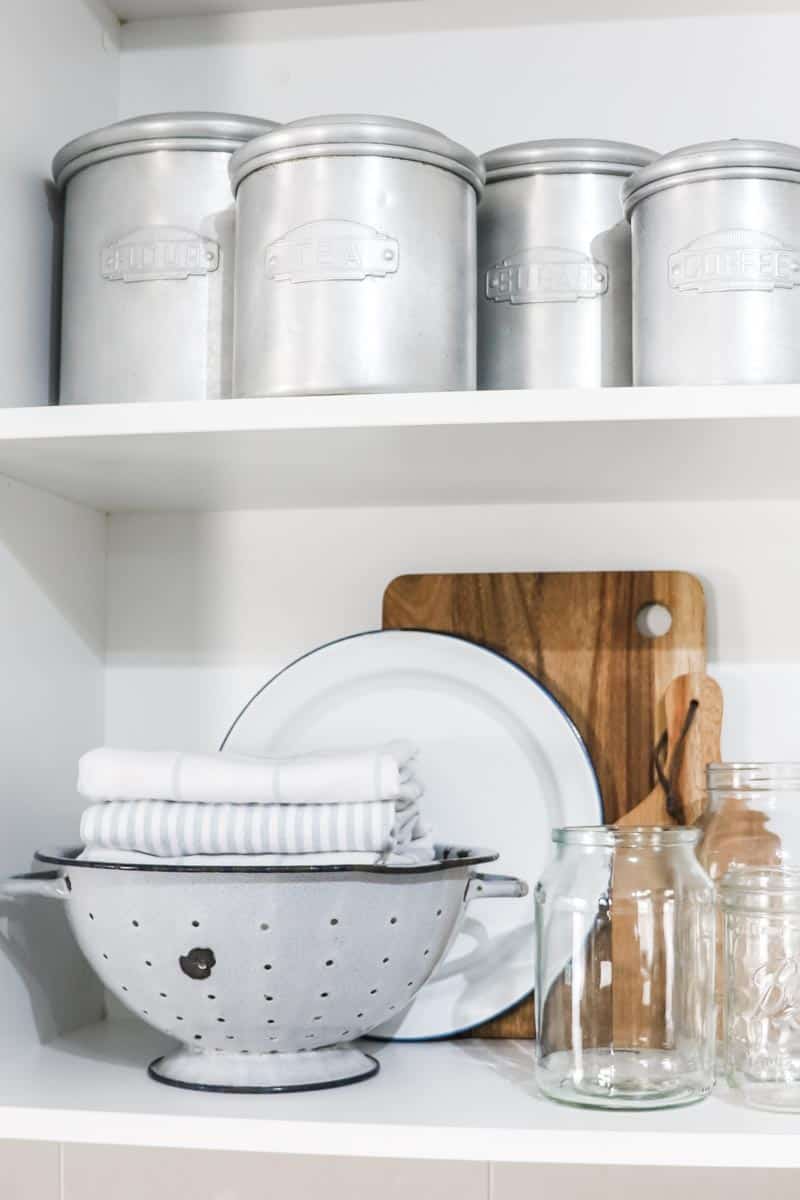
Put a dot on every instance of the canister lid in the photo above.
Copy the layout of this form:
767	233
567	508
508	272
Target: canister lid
355	135
564	156
158	131
733	159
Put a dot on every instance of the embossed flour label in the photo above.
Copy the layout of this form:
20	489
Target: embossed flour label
734	260
330	250
546	275
159	252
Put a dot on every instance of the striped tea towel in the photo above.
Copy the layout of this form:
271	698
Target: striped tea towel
421	850
335	777
164	828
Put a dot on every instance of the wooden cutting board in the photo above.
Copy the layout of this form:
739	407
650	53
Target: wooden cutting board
578	633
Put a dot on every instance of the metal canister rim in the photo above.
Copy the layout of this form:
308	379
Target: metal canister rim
354	135
157	131
565	156
736	158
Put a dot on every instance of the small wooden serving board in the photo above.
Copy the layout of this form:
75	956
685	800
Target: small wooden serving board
577	633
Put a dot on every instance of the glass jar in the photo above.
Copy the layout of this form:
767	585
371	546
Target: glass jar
752	819
625	969
761	914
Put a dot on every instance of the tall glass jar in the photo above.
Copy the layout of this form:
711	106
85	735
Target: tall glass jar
625	969
752	819
761	912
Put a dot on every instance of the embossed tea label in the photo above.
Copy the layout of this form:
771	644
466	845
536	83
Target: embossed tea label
158	252
546	275
322	251
734	260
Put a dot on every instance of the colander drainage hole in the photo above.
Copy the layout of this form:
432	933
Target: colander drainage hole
345	1033
270	1020
329	962
310	1035
211	996
147	962
163	995
324	995
373	991
438	912
124	988
91	916
221	1020
393	920
105	956
359	1015
264	926
198	1037
427	952
267	966
384	961
135	924
268	997
334	920
145	1013
195	924
179	1018
317	1018
230	1037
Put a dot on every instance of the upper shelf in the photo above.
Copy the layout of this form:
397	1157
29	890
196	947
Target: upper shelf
463	1100
419	449
539	10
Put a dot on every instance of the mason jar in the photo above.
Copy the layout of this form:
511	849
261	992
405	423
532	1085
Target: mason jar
752	819
625	969
761	913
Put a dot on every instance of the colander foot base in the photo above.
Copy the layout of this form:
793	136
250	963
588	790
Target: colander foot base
333	1066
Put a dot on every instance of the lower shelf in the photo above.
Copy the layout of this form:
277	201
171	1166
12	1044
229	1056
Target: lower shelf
463	1100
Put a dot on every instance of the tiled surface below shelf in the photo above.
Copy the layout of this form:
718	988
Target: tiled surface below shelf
29	1171
125	1173
515	1181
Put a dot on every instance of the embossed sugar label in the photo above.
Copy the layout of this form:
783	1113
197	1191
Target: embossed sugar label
734	260
546	275
159	252
328	250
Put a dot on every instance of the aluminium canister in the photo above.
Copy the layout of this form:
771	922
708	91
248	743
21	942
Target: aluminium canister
147	296
355	259
716	265
554	304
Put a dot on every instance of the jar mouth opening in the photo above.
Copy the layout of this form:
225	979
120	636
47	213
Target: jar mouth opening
753	776
627	835
746	881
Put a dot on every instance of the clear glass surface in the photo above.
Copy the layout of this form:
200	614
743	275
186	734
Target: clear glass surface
625	969
761	913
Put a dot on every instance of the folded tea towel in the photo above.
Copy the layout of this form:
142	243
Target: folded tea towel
336	777
162	827
416	853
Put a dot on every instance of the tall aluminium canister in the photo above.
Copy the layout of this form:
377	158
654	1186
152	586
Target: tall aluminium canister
716	265
355	259
147	298
554	307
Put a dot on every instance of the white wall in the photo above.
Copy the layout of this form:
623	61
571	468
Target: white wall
662	83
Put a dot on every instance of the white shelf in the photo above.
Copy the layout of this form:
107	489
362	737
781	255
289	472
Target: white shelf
448	448
460	1100
540	10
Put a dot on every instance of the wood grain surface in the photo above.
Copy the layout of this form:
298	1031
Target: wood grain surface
577	633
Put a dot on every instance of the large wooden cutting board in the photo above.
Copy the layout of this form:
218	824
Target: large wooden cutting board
577	633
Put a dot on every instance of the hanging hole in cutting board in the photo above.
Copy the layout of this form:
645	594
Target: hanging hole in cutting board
653	620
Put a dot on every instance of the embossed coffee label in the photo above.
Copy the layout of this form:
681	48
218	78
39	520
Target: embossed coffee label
734	260
546	275
159	252
330	250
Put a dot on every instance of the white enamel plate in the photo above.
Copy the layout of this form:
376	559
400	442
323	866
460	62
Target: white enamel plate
501	762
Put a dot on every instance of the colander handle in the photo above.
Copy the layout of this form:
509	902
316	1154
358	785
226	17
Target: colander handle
483	887
49	884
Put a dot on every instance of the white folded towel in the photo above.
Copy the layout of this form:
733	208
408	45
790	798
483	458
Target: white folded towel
164	828
420	851
346	777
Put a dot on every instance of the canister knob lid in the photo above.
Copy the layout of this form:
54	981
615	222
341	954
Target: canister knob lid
356	135
736	158
157	131
564	156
